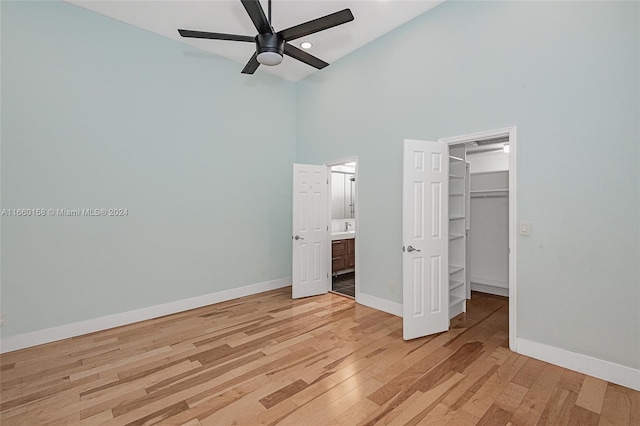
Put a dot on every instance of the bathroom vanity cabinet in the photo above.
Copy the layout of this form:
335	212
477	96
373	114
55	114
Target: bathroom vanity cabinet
343	255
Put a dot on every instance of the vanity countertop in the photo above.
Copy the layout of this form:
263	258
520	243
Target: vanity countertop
344	235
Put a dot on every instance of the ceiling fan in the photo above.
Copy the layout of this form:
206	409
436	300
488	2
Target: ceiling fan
271	45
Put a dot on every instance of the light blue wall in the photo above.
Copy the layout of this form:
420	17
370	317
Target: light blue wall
99	114
567	74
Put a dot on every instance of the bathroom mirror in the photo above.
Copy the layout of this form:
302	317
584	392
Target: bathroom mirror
343	192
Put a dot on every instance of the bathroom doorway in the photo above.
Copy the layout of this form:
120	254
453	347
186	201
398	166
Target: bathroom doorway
343	225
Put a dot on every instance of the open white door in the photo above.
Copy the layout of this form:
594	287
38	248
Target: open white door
310	275
425	223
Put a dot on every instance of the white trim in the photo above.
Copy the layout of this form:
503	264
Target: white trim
605	370
490	282
490	289
384	305
39	337
513	215
329	164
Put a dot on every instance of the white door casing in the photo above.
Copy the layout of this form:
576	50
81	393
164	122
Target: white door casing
310	238
467	214
425	238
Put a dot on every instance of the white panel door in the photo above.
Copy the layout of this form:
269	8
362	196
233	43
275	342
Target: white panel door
425	224
310	275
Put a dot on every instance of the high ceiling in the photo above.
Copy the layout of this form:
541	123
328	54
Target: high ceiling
373	18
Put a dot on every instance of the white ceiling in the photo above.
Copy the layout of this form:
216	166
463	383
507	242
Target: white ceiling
373	18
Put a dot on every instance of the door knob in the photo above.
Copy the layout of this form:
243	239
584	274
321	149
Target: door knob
410	249
298	237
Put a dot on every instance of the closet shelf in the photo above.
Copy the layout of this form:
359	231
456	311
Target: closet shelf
455	284
453	269
453	300
458	214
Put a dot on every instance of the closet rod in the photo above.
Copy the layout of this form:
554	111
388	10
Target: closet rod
489	196
484	191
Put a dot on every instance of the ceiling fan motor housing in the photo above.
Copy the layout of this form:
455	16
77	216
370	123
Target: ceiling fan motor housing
270	48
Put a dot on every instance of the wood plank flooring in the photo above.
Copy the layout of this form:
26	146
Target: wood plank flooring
268	359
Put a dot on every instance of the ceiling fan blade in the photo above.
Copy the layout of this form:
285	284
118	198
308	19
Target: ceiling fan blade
320	24
215	36
303	56
252	65
256	13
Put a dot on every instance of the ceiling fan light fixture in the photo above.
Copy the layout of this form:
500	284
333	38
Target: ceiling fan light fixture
269	58
270	49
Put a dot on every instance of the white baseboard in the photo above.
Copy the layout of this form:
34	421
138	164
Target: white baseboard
490	282
483	288
605	370
39	337
380	304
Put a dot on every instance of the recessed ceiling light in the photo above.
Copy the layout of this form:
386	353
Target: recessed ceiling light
306	45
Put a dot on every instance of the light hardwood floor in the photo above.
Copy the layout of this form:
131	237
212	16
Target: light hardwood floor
268	359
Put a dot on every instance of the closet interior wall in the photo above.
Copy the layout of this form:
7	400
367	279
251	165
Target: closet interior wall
489	236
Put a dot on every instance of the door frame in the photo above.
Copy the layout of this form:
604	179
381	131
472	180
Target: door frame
511	132
330	164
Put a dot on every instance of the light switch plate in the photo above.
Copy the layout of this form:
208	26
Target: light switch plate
525	228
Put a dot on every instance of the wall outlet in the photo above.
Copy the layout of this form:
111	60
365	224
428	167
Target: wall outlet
263	272
3	319
392	287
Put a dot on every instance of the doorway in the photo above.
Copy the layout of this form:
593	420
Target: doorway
314	232
435	288
491	190
343	225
